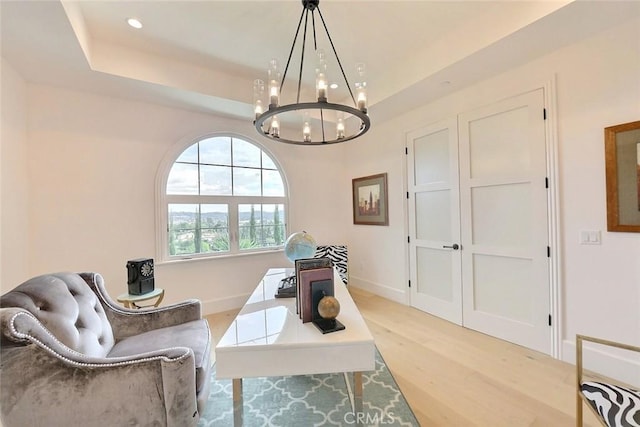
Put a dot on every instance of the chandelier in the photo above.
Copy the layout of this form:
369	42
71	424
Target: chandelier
319	121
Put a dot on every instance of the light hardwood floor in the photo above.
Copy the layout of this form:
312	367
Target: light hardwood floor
452	376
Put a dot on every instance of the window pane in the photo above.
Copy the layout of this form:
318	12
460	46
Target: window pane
261	226
190	155
215	228
215	180
216	151
249	222
183	179
272	183
246	182
197	229
182	223
273	224
245	154
267	163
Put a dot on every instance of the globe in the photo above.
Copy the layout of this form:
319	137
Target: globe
328	307
300	245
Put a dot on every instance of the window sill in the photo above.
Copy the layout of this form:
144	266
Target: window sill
218	257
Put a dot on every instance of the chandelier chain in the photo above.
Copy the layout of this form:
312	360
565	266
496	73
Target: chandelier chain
304	44
337	57
293	45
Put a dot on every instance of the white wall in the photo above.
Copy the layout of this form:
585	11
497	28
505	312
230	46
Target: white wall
377	257
598	85
14	179
93	166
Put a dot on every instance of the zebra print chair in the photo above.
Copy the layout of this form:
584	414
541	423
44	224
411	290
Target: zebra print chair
339	258
612	404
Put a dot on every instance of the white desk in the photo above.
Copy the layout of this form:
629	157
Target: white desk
267	338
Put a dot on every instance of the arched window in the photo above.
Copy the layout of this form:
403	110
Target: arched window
222	195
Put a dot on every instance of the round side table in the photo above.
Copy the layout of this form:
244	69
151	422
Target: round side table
130	301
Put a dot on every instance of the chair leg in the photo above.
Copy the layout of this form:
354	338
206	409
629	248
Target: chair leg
578	410
578	381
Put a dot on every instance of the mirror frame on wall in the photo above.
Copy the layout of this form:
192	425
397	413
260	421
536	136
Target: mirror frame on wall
622	163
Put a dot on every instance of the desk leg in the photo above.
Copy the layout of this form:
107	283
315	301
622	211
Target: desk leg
357	392
237	402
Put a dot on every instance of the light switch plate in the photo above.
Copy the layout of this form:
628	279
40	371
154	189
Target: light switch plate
590	237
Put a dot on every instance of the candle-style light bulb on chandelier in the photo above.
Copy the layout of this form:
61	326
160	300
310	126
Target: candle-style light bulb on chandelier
334	122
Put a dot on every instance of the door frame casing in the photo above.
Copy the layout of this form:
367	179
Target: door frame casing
553	197
555	258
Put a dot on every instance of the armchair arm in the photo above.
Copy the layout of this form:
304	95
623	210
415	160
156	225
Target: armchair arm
126	322
20	326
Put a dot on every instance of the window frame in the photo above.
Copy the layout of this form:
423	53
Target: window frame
163	200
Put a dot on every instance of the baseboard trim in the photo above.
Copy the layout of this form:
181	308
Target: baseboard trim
224	304
387	292
617	365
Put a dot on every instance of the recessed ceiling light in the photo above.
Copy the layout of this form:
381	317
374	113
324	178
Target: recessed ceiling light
135	23
333	85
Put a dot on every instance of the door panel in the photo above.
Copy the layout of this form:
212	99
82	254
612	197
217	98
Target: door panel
505	269
500	279
500	144
434	220
501	215
434	273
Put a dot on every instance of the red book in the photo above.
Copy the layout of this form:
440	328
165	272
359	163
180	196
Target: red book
306	277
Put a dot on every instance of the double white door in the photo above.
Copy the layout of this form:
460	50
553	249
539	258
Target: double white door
478	227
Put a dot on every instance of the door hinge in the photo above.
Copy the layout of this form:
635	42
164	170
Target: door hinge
409	283
408	239
546	182
549	320
406	150
544	114
407	194
548	251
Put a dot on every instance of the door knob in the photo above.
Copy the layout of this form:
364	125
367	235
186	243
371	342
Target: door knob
455	247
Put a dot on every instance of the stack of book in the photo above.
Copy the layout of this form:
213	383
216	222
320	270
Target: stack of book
314	280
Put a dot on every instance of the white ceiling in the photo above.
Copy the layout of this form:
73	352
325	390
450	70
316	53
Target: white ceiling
204	55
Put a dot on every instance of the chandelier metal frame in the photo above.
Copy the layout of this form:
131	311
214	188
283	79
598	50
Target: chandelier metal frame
309	7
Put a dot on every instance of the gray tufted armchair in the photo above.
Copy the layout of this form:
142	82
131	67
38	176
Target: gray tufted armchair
72	356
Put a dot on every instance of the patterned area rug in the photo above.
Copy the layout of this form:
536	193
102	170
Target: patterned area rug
311	400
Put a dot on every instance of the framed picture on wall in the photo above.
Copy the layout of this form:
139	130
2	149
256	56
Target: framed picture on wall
622	164
370	201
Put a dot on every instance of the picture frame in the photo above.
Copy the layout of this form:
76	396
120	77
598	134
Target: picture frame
622	167
370	200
